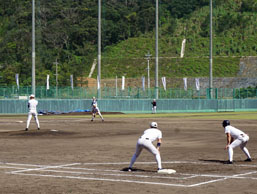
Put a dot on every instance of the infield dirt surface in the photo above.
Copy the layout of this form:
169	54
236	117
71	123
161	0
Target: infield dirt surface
71	154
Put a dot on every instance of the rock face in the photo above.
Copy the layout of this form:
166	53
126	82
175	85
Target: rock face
247	77
248	67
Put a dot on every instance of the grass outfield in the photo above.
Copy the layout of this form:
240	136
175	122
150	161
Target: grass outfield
214	116
218	115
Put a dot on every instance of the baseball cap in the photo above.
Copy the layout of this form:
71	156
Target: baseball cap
32	96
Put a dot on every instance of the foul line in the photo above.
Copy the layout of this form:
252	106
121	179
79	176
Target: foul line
22	170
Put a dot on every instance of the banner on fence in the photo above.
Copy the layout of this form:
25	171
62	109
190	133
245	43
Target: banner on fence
143	83
197	84
123	83
71	81
164	83
47	82
185	83
17	80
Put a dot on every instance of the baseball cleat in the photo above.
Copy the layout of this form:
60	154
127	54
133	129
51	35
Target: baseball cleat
91	119
229	162
129	169
248	160
26	129
38	128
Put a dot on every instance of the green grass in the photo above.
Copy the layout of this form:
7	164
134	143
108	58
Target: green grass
212	116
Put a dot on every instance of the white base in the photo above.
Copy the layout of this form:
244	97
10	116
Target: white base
166	171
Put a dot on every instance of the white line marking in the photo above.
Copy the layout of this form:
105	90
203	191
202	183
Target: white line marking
167	162
103	179
118	175
46	167
207	182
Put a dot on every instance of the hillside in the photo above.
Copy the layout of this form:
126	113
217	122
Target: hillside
234	36
66	31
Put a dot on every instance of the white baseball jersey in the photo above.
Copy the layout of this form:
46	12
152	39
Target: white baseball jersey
94	102
152	133
32	105
234	132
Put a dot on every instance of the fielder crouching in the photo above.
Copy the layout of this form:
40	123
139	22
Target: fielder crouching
235	137
145	141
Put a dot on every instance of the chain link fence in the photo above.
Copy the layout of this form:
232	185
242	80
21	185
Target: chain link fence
128	93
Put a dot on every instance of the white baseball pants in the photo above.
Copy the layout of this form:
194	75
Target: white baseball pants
241	141
95	111
146	144
30	114
154	109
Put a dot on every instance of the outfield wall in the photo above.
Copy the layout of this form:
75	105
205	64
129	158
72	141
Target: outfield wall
133	105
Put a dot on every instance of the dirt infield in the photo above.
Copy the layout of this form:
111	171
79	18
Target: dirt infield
75	155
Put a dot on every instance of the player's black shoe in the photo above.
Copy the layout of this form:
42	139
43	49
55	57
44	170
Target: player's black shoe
129	169
26	129
38	128
228	162
248	160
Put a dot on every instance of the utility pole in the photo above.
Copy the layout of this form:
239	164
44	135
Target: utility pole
33	84
211	60
99	52
56	74
148	55
156	49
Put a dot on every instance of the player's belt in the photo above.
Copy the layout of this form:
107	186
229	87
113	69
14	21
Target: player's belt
145	138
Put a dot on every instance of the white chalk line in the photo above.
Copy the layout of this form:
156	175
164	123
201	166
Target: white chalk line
45	167
104	179
167	162
118	175
22	171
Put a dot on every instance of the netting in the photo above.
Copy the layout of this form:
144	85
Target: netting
61	106
128	93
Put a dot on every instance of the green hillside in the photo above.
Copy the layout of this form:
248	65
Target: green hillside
234	36
66	31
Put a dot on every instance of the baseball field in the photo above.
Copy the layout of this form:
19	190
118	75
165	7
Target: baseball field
72	155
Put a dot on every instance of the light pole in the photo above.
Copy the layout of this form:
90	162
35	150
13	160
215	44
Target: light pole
33	49
156	49
148	55
99	51
211	61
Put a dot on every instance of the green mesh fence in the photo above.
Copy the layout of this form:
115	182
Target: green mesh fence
129	93
58	106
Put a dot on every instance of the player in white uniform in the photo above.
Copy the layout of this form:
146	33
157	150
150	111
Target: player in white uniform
32	105
145	141
235	137
95	110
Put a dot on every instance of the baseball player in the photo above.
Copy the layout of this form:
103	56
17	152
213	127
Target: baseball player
145	141
94	101
95	110
154	106
32	105
235	137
